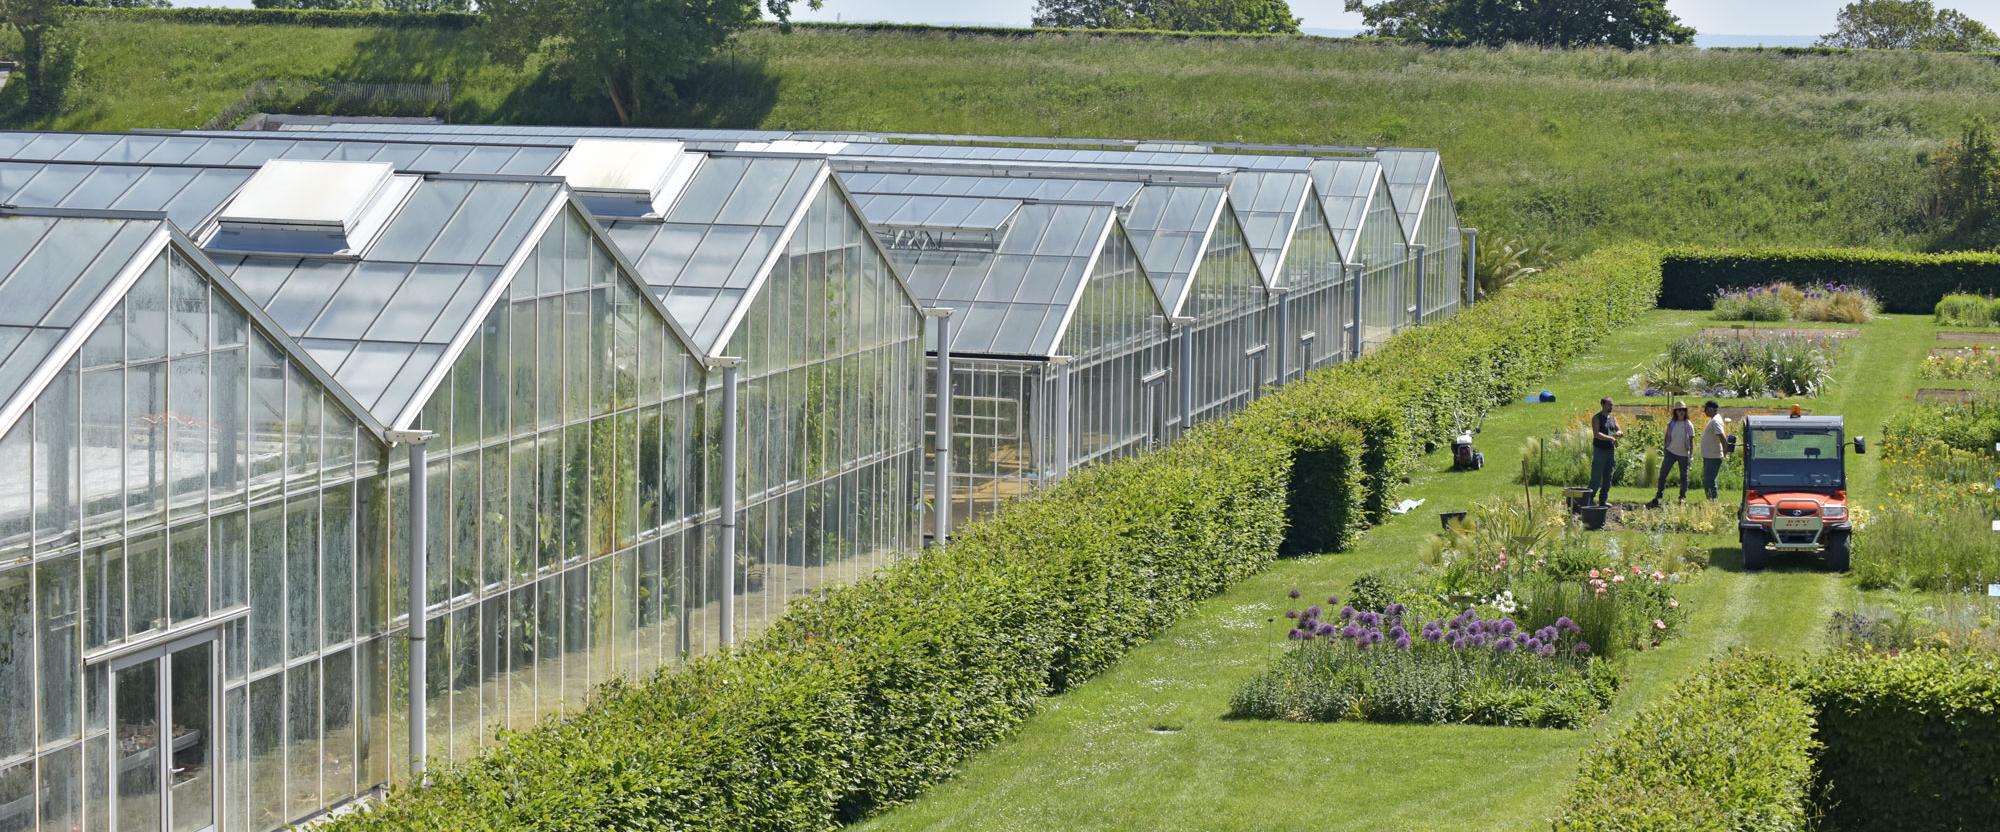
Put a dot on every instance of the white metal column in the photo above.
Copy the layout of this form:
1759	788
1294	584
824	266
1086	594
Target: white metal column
1063	439
941	433
1185	371
418	444
1418	309
1471	265
727	545
1283	341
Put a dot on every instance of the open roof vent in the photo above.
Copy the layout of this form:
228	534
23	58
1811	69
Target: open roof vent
812	148
625	178
311	208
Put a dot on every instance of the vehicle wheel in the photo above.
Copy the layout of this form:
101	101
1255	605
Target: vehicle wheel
1838	547
1756	552
1478	460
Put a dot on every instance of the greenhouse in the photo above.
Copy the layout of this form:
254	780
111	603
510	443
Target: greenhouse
236	590
1430	219
1359	205
1057	339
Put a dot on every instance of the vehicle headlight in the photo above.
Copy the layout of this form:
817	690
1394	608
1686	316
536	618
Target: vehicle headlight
1757	511
1833	512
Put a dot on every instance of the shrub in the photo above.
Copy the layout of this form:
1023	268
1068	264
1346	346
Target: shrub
1959	309
1758	303
1366	666
1729	749
1904	283
1910	742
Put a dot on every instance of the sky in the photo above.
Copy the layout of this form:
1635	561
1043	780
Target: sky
1793	18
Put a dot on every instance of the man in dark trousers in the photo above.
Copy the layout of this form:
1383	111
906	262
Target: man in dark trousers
1604	436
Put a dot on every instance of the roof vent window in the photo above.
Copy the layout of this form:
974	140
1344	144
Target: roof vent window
811	148
626	178
310	208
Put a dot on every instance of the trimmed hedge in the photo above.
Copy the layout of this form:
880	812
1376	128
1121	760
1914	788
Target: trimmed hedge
1911	742
1729	749
1905	283
1419	388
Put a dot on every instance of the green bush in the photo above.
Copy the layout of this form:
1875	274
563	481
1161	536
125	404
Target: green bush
1910	742
1904	283
1730	749
1930	529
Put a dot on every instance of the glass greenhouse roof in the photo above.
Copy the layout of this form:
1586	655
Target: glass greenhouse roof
708	257
1412	175
383	323
1268	204
1346	187
221	148
1016	299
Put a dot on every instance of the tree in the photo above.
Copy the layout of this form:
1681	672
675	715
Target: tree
1267	16
1964	195
1909	24
629	51
1627	24
46	55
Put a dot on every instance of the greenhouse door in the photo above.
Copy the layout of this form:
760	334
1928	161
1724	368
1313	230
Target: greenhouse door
165	698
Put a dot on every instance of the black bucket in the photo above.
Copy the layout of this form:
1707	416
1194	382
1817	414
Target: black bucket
1593	516
1445	518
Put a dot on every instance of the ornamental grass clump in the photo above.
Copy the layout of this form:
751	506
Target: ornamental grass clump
1372	666
1961	309
1752	365
1819	302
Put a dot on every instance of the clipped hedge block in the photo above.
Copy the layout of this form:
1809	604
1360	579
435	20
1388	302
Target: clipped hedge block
1911	742
1729	749
1905	283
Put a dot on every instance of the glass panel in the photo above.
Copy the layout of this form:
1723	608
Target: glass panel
146	583
17	654
62	790
302	684
189	298
61	643
188	571
137	733
103	452
188	432
230	324
338	713
15	520
106	346
267	585
103	594
146	315
229	429
55	471
337	572
145	445
191	758
17	796
267	748
302	574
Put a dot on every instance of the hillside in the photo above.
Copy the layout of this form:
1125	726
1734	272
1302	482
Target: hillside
1572	148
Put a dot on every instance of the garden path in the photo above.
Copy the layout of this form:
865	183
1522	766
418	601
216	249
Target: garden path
1146	746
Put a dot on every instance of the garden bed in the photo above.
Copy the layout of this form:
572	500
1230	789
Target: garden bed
1752	364
1751	329
1940	395
1968	337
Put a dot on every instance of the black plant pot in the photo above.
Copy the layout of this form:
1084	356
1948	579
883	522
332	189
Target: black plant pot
1593	516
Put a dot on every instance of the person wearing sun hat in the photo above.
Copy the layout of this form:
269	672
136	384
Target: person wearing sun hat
1679	451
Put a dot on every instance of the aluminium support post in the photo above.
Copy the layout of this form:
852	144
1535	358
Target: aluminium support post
417	442
1283	341
1185	370
1354	339
941	433
1471	265
727	545
1417	309
1064	417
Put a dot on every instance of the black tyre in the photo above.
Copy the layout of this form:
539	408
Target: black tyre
1756	551
1838	547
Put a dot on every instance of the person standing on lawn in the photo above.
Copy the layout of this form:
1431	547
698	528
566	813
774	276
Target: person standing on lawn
1714	445
1679	450
1604	436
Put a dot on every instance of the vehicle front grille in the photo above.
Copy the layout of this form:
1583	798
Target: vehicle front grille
1797	538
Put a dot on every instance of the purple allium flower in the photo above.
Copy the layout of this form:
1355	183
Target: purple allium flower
1349	631
1533	644
1294	593
1548	651
1581	649
1324	629
1295	635
1403	642
1291	613
1507	626
1368	619
1346	613
1398	632
1564	623
1313	610
1477	640
1504	646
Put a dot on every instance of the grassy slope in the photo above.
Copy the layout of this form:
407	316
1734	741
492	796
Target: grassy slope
1093	762
1573	148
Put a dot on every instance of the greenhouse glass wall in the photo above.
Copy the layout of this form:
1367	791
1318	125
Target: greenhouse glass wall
1050	309
246	562
1363	214
1430	218
1289	234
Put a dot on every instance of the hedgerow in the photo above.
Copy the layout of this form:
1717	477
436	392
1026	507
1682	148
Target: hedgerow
861	696
1904	283
323	18
1911	741
1729	750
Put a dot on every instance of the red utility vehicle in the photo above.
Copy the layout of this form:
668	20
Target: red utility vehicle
1795	488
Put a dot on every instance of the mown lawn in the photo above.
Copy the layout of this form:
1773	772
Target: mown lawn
1147	746
1575	149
